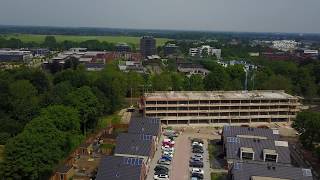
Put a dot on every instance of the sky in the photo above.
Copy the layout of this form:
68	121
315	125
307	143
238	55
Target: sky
209	15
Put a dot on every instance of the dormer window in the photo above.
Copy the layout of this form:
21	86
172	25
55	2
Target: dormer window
270	155
246	153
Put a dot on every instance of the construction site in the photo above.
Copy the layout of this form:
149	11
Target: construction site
220	107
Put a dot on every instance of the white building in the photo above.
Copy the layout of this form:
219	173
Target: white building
210	51
285	45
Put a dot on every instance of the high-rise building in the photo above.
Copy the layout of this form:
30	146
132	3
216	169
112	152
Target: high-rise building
123	47
147	46
170	49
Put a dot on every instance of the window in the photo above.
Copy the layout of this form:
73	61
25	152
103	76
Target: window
247	155
271	157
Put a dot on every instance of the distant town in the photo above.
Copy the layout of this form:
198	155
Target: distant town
158	105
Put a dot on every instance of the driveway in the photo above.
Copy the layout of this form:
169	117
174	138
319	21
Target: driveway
180	164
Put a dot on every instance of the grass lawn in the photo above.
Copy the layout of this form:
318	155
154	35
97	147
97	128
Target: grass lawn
107	120
112	39
216	176
212	151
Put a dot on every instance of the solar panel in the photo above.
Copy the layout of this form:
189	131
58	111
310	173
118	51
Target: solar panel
233	140
133	161
146	137
237	166
307	172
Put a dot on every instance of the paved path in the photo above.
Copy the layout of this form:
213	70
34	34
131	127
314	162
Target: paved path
180	164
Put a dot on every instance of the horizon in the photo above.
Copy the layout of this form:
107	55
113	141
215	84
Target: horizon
285	16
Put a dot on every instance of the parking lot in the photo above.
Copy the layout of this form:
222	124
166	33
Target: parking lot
179	168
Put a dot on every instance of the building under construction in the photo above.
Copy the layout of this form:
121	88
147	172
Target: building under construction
193	107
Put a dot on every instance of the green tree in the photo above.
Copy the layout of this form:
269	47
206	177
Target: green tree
307	124
50	42
23	100
193	83
87	104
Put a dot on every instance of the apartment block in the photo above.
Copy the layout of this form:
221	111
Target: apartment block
188	107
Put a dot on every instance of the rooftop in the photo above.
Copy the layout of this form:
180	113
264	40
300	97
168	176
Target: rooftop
206	95
249	132
120	168
134	144
253	171
149	126
235	144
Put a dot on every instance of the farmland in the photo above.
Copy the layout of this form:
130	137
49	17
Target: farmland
60	38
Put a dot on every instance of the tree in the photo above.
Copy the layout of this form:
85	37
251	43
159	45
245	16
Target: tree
307	124
45	141
135	82
50	42
24	102
87	104
33	153
193	83
217	79
161	82
277	82
71	63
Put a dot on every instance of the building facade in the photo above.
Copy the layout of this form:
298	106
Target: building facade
147	46
187	107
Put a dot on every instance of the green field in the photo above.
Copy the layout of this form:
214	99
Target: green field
60	38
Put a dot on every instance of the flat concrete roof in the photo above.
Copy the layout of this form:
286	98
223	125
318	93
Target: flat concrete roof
219	95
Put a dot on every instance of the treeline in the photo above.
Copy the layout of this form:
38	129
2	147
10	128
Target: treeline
45	116
298	79
51	43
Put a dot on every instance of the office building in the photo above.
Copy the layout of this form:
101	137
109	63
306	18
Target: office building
188	107
147	46
170	49
123	47
15	56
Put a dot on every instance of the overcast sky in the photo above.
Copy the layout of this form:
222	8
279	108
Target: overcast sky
212	15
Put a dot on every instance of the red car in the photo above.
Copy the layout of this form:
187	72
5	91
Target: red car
168	144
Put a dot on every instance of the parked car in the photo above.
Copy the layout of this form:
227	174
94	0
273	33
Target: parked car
197	175
168	141
197	150
167	148
160	167
167	144
161	177
168	158
196	164
196	159
166	153
197	155
197	170
164	161
159	172
197	144
197	140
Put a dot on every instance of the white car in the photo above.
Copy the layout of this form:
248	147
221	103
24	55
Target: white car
197	144
167	148
197	170
166	153
161	177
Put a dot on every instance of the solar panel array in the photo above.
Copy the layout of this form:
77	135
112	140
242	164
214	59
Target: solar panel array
237	166
146	137
133	161
233	140
307	172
